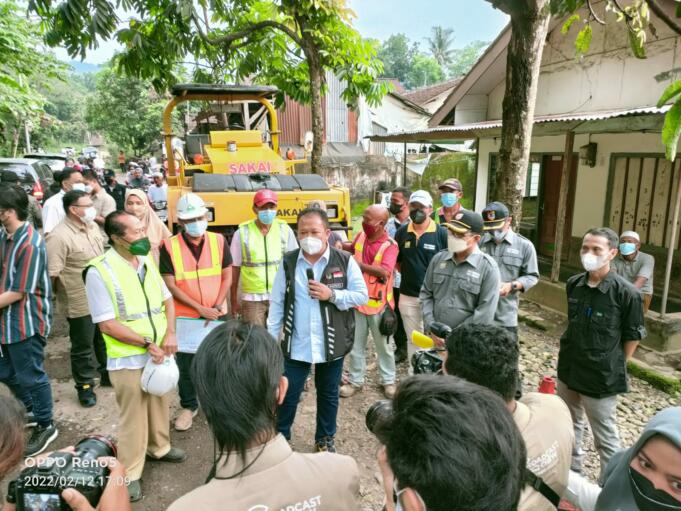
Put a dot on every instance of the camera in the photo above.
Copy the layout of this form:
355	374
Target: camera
39	487
378	416
429	361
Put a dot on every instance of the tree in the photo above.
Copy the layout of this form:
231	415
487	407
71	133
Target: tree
397	54
424	71
290	43
24	65
464	58
440	45
529	26
126	110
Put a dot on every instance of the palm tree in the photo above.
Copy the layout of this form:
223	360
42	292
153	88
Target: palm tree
441	44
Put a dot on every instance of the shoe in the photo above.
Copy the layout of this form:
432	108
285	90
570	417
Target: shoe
389	390
184	420
86	396
174	455
29	420
104	380
41	437
135	491
349	390
326	444
400	356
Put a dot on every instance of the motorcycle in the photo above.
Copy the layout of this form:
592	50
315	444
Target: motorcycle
428	360
161	209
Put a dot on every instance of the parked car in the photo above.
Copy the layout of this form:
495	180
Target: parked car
36	176
57	162
89	152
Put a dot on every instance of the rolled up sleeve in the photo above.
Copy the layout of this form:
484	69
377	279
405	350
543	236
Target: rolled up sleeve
633	323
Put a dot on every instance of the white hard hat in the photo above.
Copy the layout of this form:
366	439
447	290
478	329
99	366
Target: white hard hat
159	379
190	206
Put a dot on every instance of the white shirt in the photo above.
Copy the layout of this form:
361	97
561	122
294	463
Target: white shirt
158	193
235	250
53	211
102	309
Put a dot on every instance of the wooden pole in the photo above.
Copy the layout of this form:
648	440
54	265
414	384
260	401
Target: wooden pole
562	205
404	166
670	251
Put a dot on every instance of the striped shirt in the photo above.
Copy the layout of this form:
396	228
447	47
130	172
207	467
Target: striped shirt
23	259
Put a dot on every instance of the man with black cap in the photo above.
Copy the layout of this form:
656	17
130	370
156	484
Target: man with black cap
451	193
462	283
517	260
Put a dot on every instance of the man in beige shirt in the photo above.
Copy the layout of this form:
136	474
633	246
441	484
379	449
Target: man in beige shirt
488	355
258	470
101	200
70	246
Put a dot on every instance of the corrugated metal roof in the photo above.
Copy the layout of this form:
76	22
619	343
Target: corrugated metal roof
482	129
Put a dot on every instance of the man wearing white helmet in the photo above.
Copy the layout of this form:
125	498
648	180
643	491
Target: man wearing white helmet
196	267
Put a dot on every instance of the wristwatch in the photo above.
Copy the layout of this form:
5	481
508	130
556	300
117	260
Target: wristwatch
147	342
515	286
332	298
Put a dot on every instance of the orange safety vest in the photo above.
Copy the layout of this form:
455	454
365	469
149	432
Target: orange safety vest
199	279
380	292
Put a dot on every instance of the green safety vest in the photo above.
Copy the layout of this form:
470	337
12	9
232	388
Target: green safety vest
139	306
261	255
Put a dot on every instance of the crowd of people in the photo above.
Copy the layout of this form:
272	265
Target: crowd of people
276	307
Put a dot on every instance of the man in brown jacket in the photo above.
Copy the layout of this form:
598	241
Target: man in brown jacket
257	470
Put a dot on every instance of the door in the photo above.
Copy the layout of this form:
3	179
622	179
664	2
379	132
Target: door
552	170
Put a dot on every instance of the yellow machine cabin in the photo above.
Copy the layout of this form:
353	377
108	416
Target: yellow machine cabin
237	163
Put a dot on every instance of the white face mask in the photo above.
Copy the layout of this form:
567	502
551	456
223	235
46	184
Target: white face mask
592	262
311	245
455	244
90	214
87	189
80	187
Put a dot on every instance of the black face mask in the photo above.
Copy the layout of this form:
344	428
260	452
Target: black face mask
395	208
647	497
417	216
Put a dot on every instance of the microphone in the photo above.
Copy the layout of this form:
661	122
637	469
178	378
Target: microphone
310	276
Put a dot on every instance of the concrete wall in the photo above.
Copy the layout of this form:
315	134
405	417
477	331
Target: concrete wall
608	77
363	177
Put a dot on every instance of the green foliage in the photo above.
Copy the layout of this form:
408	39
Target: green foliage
424	71
440	45
671	131
464	58
127	111
568	23
24	66
446	165
397	54
583	40
668	384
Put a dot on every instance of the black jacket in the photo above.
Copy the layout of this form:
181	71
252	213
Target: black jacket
591	360
339	326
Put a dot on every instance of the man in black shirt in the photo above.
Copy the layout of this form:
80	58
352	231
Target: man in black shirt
115	189
604	329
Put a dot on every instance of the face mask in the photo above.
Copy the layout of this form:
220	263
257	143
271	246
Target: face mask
89	216
267	216
79	187
647	497
417	216
140	247
197	228
499	235
370	229
456	245
627	248
395	208
311	245
87	189
592	262
449	199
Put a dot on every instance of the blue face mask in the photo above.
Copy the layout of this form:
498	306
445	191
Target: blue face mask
627	248
197	228
449	199
267	216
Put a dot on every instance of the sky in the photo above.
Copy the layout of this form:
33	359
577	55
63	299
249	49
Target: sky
471	20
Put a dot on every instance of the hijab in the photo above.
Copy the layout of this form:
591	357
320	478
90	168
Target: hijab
617	493
154	228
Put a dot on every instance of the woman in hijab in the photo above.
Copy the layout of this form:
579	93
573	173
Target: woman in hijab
137	203
645	477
